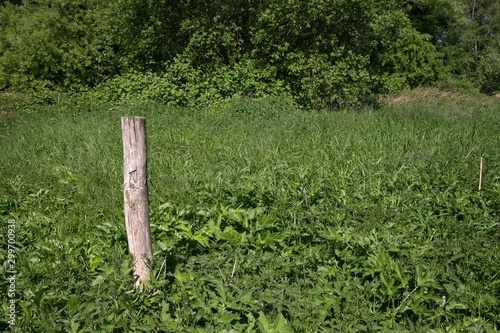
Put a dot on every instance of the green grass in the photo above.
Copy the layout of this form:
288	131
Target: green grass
264	218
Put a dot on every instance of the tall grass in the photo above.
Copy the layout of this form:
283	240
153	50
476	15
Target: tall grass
264	217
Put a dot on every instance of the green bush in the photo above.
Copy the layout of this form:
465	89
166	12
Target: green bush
403	58
330	82
326	54
183	85
54	45
489	73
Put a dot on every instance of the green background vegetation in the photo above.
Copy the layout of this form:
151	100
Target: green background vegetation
323	53
269	212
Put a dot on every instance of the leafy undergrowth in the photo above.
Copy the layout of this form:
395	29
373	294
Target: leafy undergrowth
264	219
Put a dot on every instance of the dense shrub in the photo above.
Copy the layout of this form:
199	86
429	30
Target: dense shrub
324	53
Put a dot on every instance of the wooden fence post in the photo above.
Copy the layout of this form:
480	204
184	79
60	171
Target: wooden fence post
480	173
135	193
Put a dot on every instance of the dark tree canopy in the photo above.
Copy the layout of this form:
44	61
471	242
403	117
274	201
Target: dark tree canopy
325	53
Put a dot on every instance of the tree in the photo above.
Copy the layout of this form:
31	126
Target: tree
327	53
467	32
55	44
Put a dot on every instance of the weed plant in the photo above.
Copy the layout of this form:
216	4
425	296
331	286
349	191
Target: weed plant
265	218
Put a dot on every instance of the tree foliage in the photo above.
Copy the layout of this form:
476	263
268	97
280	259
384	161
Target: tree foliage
55	44
467	33
324	53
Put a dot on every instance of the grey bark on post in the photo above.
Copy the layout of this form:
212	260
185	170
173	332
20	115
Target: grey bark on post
135	193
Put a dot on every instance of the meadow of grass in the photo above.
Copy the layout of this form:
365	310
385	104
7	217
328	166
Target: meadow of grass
264	218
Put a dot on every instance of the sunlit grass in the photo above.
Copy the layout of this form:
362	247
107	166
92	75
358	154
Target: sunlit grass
363	213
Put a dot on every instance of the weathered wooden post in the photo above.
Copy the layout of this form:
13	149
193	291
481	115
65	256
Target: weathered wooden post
480	173
135	193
